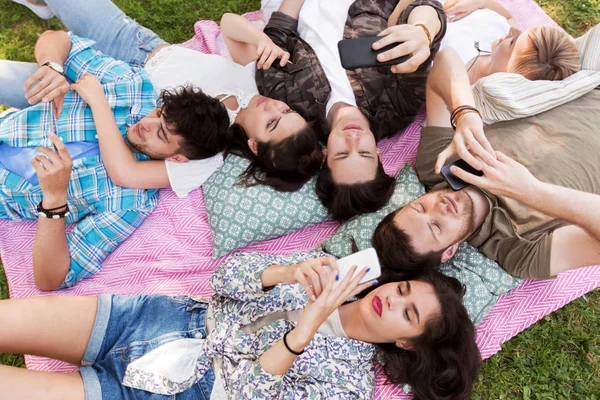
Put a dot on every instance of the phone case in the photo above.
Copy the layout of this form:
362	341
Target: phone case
455	182
359	53
364	258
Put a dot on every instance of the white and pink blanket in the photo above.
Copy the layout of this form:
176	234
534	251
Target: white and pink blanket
171	252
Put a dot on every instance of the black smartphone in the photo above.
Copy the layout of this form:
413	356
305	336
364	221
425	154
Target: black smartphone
455	182
359	53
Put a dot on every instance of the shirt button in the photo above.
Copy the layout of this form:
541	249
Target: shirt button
96	136
30	143
62	139
198	335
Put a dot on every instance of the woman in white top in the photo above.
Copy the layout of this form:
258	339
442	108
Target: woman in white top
488	40
282	147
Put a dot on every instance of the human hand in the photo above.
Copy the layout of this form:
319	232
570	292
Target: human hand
90	90
267	52
413	40
51	86
469	143
505	177
317	311
458	9
54	172
311	274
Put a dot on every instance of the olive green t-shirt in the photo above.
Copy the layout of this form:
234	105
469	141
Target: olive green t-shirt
560	146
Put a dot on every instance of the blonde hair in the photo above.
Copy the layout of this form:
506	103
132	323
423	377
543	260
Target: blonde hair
551	55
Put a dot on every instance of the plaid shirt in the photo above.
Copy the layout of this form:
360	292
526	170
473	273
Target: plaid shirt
390	101
105	214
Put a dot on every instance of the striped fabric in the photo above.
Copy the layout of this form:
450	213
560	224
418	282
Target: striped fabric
105	214
506	96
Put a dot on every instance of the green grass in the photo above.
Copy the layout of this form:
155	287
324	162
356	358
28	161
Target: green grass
557	358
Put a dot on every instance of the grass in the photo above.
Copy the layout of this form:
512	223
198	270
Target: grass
557	358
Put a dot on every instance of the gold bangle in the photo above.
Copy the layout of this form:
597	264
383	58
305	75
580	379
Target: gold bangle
426	32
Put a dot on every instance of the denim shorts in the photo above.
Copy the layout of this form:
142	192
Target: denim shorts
128	327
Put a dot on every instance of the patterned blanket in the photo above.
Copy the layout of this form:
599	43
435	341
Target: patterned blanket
171	252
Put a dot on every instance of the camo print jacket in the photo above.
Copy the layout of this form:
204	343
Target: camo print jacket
390	101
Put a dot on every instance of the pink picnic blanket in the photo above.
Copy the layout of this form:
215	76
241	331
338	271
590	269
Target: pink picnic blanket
171	252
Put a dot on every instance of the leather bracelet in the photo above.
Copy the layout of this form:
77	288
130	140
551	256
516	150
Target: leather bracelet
288	347
459	112
51	213
426	32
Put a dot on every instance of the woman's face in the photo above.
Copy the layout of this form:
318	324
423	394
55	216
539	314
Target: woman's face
398	311
506	49
269	120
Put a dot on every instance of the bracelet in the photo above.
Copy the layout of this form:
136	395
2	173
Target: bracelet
459	112
426	32
296	353
52	213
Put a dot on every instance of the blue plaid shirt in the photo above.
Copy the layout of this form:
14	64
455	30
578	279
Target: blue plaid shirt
105	214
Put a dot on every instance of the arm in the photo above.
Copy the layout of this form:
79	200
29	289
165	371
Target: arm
573	246
448	87
123	168
413	39
247	43
49	85
50	248
458	9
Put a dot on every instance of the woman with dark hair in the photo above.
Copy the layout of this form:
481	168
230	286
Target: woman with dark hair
277	137
277	327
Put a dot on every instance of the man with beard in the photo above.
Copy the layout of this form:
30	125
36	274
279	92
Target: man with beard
535	209
50	165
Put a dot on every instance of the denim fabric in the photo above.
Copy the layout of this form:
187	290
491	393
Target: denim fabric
115	34
127	328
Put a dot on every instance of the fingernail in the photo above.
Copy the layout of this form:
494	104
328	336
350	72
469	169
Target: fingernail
491	161
368	269
375	283
381	57
45	100
313	298
30	101
337	277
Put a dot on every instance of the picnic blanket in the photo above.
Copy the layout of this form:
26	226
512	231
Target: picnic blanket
171	252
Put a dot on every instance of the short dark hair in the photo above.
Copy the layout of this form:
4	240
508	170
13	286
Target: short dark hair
345	201
444	360
285	165
396	252
201	120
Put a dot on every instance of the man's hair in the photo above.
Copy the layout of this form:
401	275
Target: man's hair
396	252
285	165
552	55
201	120
345	201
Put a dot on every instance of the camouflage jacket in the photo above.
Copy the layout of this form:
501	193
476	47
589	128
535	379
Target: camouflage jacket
390	101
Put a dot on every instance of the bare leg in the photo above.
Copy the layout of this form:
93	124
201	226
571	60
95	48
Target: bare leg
24	384
56	327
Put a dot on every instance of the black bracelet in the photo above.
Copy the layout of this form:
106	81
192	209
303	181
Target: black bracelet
457	113
52	213
288	347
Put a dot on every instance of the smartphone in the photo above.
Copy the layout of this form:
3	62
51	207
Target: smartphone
455	182
359	53
365	258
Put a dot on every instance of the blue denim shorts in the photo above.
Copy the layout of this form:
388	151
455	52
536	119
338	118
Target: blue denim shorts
128	327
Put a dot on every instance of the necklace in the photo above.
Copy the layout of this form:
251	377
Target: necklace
479	52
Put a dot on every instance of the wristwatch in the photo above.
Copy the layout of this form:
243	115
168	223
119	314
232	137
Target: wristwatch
55	66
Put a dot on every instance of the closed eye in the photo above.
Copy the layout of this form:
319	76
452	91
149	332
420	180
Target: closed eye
437	225
406	315
341	155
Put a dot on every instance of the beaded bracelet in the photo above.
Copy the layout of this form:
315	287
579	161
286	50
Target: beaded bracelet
296	353
51	213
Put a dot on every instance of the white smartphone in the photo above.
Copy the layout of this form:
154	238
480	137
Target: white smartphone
365	258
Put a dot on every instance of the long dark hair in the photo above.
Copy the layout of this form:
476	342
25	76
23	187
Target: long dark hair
443	361
396	252
345	201
285	166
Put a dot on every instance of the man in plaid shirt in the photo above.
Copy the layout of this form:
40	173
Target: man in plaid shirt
49	157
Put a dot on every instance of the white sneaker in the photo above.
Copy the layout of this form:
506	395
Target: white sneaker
44	12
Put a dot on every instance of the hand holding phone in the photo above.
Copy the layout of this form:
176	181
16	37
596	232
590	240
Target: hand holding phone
365	258
359	53
455	182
